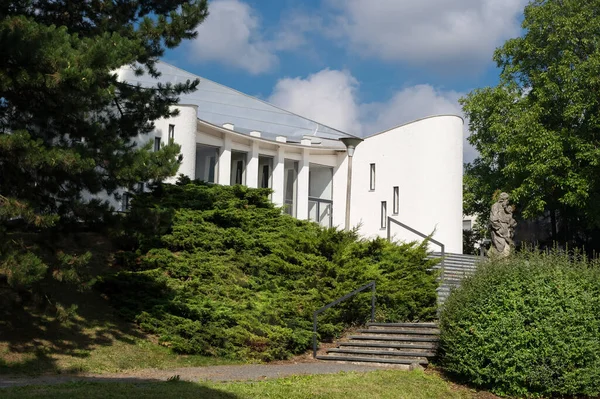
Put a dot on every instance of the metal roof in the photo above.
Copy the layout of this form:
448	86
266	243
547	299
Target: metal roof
218	104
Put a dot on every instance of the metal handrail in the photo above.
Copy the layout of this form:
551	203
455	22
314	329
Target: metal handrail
442	246
324	308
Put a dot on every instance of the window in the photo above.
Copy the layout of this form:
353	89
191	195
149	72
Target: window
265	169
171	132
156	144
238	168
125	202
239	172
372	183
467	225
396	203
206	163
383	214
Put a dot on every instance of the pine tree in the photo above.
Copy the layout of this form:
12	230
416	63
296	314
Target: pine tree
67	124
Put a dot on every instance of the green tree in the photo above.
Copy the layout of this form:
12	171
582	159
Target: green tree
67	125
538	130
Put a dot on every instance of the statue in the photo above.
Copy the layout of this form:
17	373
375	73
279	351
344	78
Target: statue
502	226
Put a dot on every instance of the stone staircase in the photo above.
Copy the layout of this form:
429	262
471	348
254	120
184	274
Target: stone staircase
388	343
456	267
403	344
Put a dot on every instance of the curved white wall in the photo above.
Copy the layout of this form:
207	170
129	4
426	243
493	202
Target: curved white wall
185	136
424	159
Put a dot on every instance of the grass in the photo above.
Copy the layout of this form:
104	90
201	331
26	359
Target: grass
79	331
379	384
92	340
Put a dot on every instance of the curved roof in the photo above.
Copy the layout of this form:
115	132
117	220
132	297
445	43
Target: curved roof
218	104
415	121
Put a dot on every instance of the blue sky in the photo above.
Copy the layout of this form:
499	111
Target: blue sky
361	66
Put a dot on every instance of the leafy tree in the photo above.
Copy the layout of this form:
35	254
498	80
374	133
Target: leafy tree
68	127
538	130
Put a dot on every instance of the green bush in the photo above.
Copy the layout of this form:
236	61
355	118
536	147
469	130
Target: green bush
527	325
220	271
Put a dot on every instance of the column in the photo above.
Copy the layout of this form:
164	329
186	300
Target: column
252	167
303	169
225	162
278	177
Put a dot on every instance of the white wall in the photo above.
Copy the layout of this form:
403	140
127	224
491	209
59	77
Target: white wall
424	159
185	136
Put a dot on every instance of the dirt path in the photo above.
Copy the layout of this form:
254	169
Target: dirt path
196	374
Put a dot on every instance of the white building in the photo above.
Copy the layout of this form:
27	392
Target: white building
412	173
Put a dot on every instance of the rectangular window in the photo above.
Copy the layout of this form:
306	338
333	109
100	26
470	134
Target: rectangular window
206	163
265	169
467	225
125	202
396	204
171	132
238	168
156	144
372	183
383	214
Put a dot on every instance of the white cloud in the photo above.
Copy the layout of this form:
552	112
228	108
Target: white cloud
331	97
328	96
427	31
234	36
231	35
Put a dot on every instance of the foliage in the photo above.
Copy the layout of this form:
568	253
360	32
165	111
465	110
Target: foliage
219	270
68	127
526	325
537	131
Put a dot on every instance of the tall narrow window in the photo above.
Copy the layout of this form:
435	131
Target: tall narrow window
396	204
156	144
239	172
171	132
383	214
125	202
372	183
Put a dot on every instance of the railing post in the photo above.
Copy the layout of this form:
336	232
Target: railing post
443	261
389	229
373	302
315	336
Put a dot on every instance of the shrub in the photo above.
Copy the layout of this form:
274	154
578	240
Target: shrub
220	271
527	325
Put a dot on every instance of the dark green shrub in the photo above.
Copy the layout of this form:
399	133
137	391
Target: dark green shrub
527	325
220	271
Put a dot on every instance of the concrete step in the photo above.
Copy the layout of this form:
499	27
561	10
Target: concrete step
381	353
411	325
393	338
400	331
406	346
366	359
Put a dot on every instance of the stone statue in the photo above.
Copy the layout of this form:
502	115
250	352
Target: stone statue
502	226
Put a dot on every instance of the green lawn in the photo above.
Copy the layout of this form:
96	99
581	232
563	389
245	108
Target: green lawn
395	384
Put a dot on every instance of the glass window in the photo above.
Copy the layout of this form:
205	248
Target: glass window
238	168
265	169
396	203
171	132
156	144
206	163
467	225
383	214
372	182
291	186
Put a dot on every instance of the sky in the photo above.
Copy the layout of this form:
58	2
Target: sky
360	66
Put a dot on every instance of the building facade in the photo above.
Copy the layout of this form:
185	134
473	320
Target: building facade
412	173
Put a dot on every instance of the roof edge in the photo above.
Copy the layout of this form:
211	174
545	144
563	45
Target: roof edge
415	121
262	101
266	140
